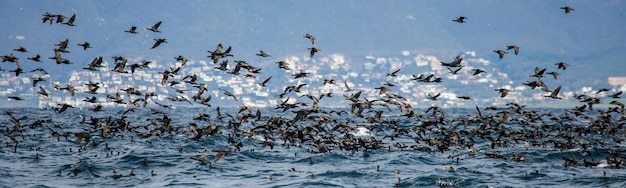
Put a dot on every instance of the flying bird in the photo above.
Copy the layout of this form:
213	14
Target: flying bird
460	19
561	65
132	30
154	28
310	37
263	54
85	45
567	9
70	22
263	84
313	51
514	47
158	42
500	53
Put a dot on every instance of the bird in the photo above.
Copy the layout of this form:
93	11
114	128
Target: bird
477	71
454	71
313	51
310	37
500	53
36	58
514	47
554	74
15	98
158	42
154	28
503	91
85	45
460	19
132	30
229	94
561	65
37	79
183	59
70	22
433	97
263	54
567	9
393	74
263	84
201	158
20	49
554	94
616	95
220	154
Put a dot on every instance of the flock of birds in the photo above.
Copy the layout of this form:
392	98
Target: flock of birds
369	124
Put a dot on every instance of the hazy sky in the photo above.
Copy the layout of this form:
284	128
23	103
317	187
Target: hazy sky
340	26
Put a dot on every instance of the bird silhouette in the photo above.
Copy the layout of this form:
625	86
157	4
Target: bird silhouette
460	19
154	28
567	9
132	30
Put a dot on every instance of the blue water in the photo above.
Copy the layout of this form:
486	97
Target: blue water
295	165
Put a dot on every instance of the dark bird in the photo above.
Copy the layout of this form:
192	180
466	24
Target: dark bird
283	65
561	65
567	9
223	66
454	71
555	93
155	27
554	74
464	97
602	90
43	92
393	74
17	71
538	72
85	45
229	94
183	59
616	95
158	42
313	51
37	79
477	71
514	47
503	91
15	98
433	97
132	30
263	54
37	58
310	37
70	22
460	19
263	84
40	69
500	53
20	49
